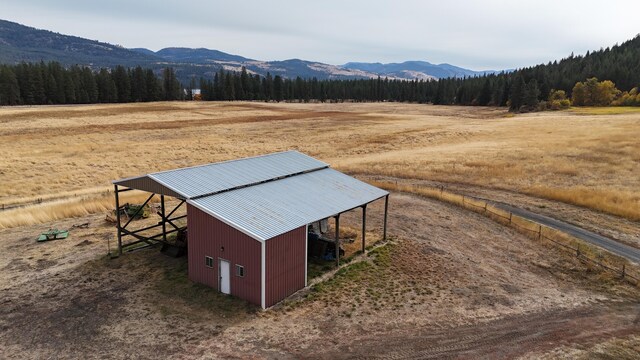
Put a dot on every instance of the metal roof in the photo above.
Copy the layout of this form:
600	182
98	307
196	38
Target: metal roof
262	196
273	208
207	179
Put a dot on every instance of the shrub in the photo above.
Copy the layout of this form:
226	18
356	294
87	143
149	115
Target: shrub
630	98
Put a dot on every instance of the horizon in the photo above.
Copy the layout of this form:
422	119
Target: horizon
493	35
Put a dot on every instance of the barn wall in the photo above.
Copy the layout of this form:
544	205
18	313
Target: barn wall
206	236
285	265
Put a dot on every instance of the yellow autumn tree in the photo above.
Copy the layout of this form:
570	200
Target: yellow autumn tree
594	93
579	95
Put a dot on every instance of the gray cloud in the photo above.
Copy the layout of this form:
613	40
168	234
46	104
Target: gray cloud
490	34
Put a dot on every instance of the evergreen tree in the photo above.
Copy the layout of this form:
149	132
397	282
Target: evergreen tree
171	86
154	91
9	88
531	94
517	93
138	85
278	88
123	83
485	95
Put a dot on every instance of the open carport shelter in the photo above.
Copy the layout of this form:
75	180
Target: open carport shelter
248	219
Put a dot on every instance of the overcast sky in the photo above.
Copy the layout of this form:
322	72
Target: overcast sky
488	34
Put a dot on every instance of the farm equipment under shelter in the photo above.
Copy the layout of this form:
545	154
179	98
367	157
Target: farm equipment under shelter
320	247
129	211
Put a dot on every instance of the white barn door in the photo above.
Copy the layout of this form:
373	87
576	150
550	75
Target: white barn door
225	277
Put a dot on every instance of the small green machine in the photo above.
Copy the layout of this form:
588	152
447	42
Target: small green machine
53	234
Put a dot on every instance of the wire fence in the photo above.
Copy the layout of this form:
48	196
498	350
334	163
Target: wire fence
581	250
484	207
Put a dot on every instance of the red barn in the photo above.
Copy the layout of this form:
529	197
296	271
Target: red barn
248	219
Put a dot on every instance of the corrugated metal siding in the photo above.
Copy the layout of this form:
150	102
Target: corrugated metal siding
273	208
206	179
285	265
206	235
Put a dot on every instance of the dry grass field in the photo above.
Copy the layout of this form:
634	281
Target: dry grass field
588	160
450	284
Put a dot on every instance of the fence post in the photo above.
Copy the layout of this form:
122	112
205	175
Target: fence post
462	200
539	232
485	207
623	270
510	214
578	251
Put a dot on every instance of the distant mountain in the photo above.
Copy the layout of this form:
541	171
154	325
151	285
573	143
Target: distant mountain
197	56
287	68
295	67
416	69
144	51
23	43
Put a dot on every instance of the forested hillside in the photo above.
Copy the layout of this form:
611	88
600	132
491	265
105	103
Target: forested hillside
522	90
619	64
20	43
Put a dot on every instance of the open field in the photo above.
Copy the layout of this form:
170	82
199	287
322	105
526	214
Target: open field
588	160
451	283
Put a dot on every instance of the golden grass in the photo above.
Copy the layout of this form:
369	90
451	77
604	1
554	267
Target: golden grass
622	203
66	208
610	110
53	152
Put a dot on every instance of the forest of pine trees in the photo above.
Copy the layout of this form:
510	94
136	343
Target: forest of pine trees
522	90
244	86
51	83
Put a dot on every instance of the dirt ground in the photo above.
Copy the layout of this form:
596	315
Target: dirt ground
450	284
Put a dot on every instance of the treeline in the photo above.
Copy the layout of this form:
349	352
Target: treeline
51	83
537	86
549	86
540	87
244	86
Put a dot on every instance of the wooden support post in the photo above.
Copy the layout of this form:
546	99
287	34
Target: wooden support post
337	240
539	232
386	208
164	219
119	226
364	226
510	215
623	270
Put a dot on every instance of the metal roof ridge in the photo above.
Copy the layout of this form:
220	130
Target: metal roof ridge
234	160
257	183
